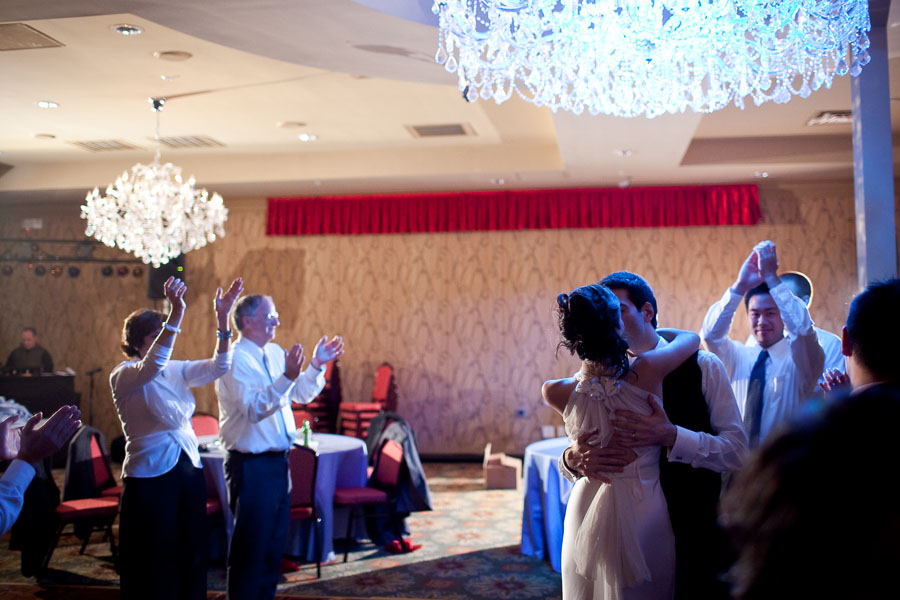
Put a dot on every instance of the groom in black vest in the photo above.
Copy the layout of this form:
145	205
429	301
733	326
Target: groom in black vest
702	433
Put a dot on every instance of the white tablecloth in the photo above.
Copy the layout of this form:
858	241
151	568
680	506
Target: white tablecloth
342	463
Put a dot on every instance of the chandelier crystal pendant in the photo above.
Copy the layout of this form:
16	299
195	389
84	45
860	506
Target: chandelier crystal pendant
649	57
152	212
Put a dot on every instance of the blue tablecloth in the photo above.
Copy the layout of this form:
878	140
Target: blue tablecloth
342	463
546	495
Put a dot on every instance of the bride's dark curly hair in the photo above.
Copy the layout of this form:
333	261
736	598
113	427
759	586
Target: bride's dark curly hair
588	322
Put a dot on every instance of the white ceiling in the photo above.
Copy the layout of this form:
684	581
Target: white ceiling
357	77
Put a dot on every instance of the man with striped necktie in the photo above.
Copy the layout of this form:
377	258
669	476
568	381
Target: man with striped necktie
257	428
777	369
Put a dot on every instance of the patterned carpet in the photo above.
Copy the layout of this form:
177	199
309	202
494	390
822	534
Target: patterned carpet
470	551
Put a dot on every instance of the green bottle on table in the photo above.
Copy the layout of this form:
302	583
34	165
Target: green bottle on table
307	432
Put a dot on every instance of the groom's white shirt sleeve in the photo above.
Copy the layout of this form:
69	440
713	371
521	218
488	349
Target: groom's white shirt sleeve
724	450
721	451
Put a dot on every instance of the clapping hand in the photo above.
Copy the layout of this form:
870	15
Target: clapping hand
174	290
326	351
767	259
224	302
749	275
37	444
9	438
835	381
293	360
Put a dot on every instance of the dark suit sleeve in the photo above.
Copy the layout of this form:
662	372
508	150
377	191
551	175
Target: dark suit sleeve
47	362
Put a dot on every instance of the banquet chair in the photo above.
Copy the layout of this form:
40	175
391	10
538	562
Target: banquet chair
204	424
88	470
304	464
356	416
303	415
386	475
324	408
99	510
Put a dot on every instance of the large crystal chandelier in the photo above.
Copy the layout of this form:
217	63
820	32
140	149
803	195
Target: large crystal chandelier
649	57
152	212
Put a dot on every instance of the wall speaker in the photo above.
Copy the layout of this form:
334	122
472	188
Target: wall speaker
157	277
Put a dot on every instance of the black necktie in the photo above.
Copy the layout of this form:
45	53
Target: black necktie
754	405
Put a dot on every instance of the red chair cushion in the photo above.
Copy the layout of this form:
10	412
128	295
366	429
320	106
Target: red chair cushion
360	406
301	512
359	495
382	383
87	508
205	425
98	459
389	462
112	492
303	415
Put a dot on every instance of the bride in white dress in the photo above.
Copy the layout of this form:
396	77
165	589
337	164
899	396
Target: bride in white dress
617	539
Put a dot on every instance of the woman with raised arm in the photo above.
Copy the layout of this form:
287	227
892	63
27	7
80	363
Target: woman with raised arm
162	523
617	539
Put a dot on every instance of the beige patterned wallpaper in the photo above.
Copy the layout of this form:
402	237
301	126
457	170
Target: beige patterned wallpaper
465	318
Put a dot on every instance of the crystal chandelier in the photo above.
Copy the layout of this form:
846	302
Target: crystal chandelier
649	57
152	212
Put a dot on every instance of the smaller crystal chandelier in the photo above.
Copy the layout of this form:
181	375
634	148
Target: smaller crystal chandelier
152	212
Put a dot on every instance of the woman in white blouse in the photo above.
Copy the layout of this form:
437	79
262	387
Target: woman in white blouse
162	526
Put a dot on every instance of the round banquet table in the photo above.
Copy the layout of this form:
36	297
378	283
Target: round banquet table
546	495
342	463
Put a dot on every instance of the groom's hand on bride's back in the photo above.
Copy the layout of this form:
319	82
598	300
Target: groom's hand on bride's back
594	462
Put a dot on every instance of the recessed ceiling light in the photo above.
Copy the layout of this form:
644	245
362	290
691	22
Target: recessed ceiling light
761	174
290	124
623	153
47	104
169	77
307	137
126	29
45	136
172	55
498	181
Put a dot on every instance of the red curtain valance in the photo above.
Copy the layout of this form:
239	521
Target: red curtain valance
515	209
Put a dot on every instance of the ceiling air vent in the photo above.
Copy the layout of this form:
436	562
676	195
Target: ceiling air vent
831	117
190	141
450	129
104	145
19	36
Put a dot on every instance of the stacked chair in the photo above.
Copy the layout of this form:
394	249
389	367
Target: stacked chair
355	417
323	411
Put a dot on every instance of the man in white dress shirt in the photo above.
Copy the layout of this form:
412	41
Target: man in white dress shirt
257	428
773	373
802	287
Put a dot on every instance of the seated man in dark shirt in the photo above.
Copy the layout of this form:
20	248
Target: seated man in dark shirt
29	358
